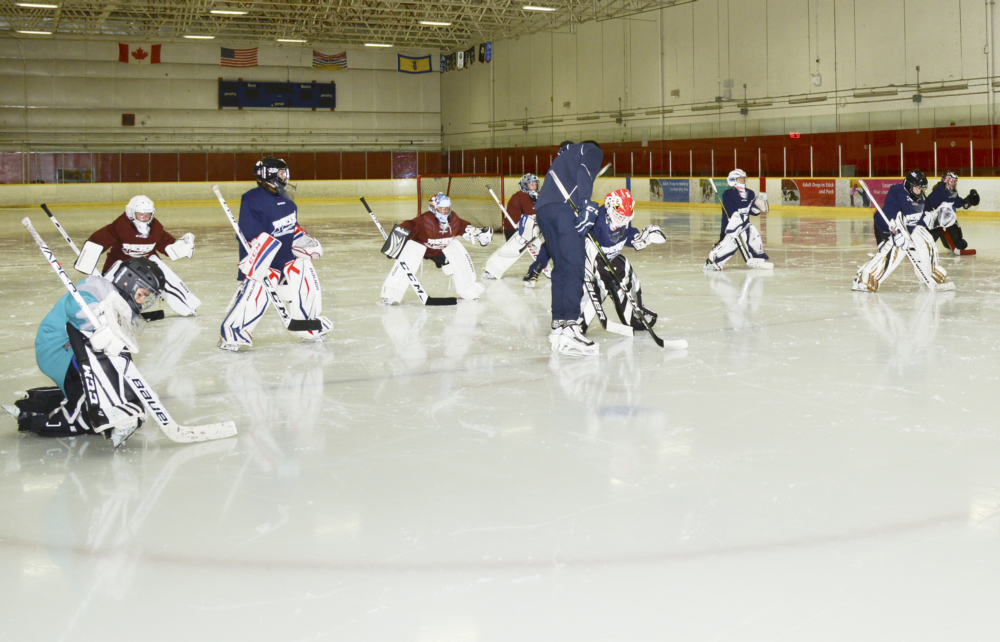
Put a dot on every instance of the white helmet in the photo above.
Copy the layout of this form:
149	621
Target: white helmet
441	205
137	210
735	176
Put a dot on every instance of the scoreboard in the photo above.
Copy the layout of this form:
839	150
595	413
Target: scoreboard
296	95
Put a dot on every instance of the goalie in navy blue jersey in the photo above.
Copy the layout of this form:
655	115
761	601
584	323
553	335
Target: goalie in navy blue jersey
738	205
614	232
280	252
946	193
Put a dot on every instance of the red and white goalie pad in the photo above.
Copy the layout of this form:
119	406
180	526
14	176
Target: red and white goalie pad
256	265
300	288
306	246
244	313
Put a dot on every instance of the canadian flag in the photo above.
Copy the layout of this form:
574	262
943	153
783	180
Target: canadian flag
139	54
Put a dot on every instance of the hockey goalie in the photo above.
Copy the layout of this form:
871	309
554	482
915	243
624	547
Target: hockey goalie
432	235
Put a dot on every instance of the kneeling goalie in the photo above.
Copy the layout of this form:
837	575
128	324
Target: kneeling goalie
430	236
614	232
90	397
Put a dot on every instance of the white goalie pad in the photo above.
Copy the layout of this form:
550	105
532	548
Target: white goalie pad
245	312
175	292
90	254
464	277
301	289
396	283
747	241
872	274
109	397
527	228
507	254
923	254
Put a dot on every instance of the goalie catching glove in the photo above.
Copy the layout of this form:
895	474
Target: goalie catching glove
759	205
650	235
182	249
306	246
395	241
483	235
116	333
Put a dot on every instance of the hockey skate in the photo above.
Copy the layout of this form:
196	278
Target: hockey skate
572	341
488	277
760	264
231	346
711	266
557	328
531	279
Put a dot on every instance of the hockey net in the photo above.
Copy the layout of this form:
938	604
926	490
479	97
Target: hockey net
469	194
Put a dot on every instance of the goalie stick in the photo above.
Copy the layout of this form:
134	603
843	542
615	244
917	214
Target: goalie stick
677	344
292	325
128	370
155	315
414	283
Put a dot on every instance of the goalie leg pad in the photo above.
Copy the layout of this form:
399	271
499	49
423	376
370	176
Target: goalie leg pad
244	314
109	403
923	255
872	274
754	244
465	272
508	253
396	283
305	298
724	250
175	293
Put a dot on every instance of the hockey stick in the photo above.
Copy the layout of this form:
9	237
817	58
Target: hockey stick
292	325
951	244
414	283
155	315
679	344
128	370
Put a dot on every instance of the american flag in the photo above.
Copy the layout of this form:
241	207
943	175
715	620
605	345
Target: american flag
331	62
238	57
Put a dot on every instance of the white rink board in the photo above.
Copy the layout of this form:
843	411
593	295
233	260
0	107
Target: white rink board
817	465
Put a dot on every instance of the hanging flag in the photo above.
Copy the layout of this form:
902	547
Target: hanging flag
238	57
331	62
482	53
489	51
451	62
139	54
409	65
470	56
441	68
459	58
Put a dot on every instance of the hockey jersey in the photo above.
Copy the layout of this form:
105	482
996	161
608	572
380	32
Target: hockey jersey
520	204
122	240
612	242
941	194
577	168
737	209
52	350
429	232
262	211
898	201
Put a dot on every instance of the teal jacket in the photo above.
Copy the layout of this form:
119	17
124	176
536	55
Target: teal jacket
52	350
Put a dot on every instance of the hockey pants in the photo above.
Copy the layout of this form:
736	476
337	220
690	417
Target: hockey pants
566	246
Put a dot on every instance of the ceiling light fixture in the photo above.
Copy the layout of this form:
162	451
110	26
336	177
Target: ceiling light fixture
35	5
435	24
531	7
201	37
289	40
376	44
228	12
35	33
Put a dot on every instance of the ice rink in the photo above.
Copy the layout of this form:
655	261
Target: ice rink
818	465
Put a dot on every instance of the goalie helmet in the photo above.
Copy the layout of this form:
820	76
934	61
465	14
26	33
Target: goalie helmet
272	174
619	205
915	179
441	206
525	185
141	282
563	146
738	179
950	180
140	212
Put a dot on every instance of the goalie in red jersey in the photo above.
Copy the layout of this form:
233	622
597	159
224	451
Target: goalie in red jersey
430	236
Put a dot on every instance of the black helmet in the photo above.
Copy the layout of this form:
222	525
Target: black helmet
139	274
563	146
915	178
272	172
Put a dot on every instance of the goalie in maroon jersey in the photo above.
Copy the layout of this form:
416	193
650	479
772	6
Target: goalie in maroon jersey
431	236
136	234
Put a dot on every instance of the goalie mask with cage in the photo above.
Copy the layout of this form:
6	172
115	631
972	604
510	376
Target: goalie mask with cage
619	206
950	180
738	179
140	212
440	206
526	187
915	184
272	174
140	282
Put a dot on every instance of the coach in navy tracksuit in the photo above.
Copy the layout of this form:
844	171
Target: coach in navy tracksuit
576	167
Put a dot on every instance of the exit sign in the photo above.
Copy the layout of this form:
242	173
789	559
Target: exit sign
794	135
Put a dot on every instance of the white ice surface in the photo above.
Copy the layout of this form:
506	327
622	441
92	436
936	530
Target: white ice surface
818	465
